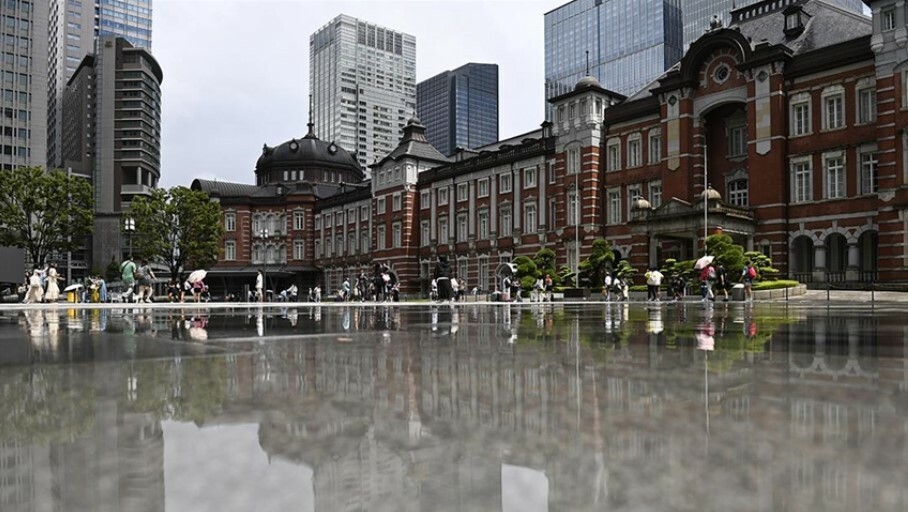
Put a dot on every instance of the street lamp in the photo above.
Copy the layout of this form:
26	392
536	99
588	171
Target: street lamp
129	226
263	233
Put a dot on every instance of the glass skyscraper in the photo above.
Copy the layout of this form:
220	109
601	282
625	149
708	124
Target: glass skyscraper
625	44
74	27
698	13
362	78
460	108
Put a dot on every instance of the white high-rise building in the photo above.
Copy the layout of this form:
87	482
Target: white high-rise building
362	78
74	28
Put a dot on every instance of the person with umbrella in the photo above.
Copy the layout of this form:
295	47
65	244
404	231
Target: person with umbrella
198	285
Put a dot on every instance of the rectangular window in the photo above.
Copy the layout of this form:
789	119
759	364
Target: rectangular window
484	225
655	146
573	161
737	141
426	238
483	273
833	111
299	250
442	196
396	202
888	19
505	183
230	251
866	105
655	193
633	193
397	235
424	199
380	205
553	212
614	207
869	173
351	243
365	242
614	155
482	188
462	227
462	191
573	208
318	248
529	215
506	222
229	222
380	238
443	235
529	177
802	181
364	212
339	218
835	177
299	221
634	151
318	222
800	115
737	193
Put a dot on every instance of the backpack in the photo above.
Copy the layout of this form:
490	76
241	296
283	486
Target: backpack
752	272
712	272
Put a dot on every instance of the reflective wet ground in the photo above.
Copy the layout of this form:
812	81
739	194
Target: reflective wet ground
467	408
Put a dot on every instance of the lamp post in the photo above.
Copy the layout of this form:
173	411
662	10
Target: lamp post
263	233
129	226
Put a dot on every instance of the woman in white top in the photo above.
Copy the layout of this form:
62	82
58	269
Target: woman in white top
53	290
260	286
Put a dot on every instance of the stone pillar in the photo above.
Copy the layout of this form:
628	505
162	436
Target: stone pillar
819	262
852	271
653	243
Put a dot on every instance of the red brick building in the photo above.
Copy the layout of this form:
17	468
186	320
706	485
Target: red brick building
793	119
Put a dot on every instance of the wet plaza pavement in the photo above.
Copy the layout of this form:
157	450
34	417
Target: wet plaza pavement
471	407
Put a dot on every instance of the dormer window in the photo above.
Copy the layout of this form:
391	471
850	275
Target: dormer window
795	18
888	19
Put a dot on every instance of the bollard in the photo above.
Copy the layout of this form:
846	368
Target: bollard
786	294
827	291
872	292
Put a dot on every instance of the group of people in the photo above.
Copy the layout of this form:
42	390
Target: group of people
716	277
138	279
620	286
41	285
177	292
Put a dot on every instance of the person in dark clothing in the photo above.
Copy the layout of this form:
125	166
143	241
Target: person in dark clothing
443	278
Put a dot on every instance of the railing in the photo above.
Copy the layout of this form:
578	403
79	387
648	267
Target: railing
835	277
802	277
869	276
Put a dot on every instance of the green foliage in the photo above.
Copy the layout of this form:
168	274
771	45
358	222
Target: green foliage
44	212
545	261
726	252
599	262
527	282
625	270
777	284
566	276
179	227
112	273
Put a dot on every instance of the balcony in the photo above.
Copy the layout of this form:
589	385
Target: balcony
135	190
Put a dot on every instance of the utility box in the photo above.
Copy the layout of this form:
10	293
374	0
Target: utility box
737	292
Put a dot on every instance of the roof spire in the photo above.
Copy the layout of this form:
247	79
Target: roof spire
310	124
587	63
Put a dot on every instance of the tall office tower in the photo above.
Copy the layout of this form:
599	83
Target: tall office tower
625	44
22	125
112	132
460	108
698	13
74	28
362	78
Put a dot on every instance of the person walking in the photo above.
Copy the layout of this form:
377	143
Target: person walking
707	276
747	277
443	278
52	293
128	276
653	282
607	287
259	286
145	277
549	287
722	281
33	295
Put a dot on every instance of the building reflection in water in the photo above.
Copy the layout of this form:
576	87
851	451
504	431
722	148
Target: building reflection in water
470	408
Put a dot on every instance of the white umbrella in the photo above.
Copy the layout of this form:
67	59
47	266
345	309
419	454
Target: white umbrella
198	333
73	287
196	276
703	262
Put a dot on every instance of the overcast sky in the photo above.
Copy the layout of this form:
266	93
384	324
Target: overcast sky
236	72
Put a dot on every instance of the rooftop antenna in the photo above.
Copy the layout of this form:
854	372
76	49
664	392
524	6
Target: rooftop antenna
587	63
310	124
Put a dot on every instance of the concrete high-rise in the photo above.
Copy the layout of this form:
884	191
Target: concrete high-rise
625	44
698	13
362	78
460	108
74	28
112	132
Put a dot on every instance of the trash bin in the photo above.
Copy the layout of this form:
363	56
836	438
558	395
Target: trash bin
71	296
737	292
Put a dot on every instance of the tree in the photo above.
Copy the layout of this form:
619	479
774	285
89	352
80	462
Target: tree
178	227
599	262
44	212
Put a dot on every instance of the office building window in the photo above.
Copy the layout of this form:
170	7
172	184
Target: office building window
299	221
484	225
888	19
529	177
613	150
573	161
442	196
573	208
299	250
529	217
425	230
866	101
482	188
380	205
424	199
443	235
505	183
396	202
462	227
614	207
634	192
462	191
507	223
655	193
397	235
737	192
737	141
381	241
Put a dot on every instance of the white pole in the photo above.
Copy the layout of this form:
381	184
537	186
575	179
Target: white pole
705	196
577	212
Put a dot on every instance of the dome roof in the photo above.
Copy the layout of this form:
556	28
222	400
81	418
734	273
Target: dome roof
308	152
587	81
711	194
641	204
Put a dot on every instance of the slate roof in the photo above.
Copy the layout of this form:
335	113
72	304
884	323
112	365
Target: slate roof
243	190
415	144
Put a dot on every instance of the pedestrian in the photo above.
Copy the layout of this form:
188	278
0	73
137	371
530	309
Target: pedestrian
722	280
259	286
128	276
607	287
145	277
747	277
52	293
707	276
455	289
549	287
345	290
33	295
443	278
